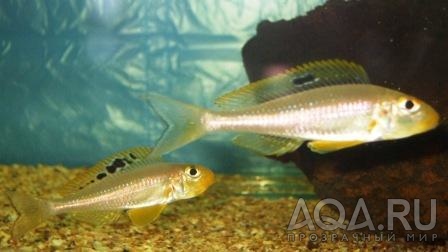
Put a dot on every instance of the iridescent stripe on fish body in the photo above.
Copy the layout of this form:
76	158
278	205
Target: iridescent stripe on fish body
134	189
335	113
119	193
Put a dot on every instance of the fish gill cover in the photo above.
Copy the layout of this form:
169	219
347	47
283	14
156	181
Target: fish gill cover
72	73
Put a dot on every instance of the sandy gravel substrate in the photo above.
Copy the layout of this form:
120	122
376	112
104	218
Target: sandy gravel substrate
227	218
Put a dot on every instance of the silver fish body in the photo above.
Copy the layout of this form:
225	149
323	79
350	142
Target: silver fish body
124	181
337	113
329	103
147	186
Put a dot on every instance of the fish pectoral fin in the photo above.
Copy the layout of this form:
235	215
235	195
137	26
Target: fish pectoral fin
145	215
97	218
267	145
323	147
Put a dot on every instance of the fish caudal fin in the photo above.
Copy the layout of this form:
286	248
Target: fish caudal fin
184	123
32	212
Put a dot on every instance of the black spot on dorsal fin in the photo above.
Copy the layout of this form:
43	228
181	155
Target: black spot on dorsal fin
303	79
101	175
117	163
108	167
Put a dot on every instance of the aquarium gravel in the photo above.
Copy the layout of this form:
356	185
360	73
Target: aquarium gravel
223	219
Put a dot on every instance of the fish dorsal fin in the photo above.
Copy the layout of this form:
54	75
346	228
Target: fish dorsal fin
97	218
267	145
298	79
145	215
107	167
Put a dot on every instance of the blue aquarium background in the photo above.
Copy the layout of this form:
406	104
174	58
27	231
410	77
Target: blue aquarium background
72	74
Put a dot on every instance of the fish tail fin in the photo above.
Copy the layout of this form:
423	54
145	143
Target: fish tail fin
33	211
184	123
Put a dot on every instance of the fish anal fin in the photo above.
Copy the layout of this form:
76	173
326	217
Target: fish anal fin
295	80
97	218
145	215
105	168
323	147
267	145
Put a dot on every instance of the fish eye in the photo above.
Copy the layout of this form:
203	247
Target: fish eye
408	104
192	171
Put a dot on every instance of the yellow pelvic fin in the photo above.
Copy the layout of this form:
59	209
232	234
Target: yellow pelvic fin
145	215
267	145
298	79
323	147
98	218
106	168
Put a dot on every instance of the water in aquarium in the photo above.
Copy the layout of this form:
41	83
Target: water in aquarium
223	125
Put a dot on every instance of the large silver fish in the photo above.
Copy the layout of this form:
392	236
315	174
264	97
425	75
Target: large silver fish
328	103
121	182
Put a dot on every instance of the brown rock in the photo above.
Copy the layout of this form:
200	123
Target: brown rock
402	45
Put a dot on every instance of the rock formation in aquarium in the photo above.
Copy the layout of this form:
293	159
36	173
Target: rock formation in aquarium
402	45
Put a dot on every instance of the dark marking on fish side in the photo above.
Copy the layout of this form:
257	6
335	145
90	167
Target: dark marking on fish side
101	175
132	156
303	79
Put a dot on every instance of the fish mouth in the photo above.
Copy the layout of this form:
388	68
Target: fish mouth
211	180
432	121
207	181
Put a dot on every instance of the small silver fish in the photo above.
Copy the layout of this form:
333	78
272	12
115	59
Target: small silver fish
121	182
328	103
